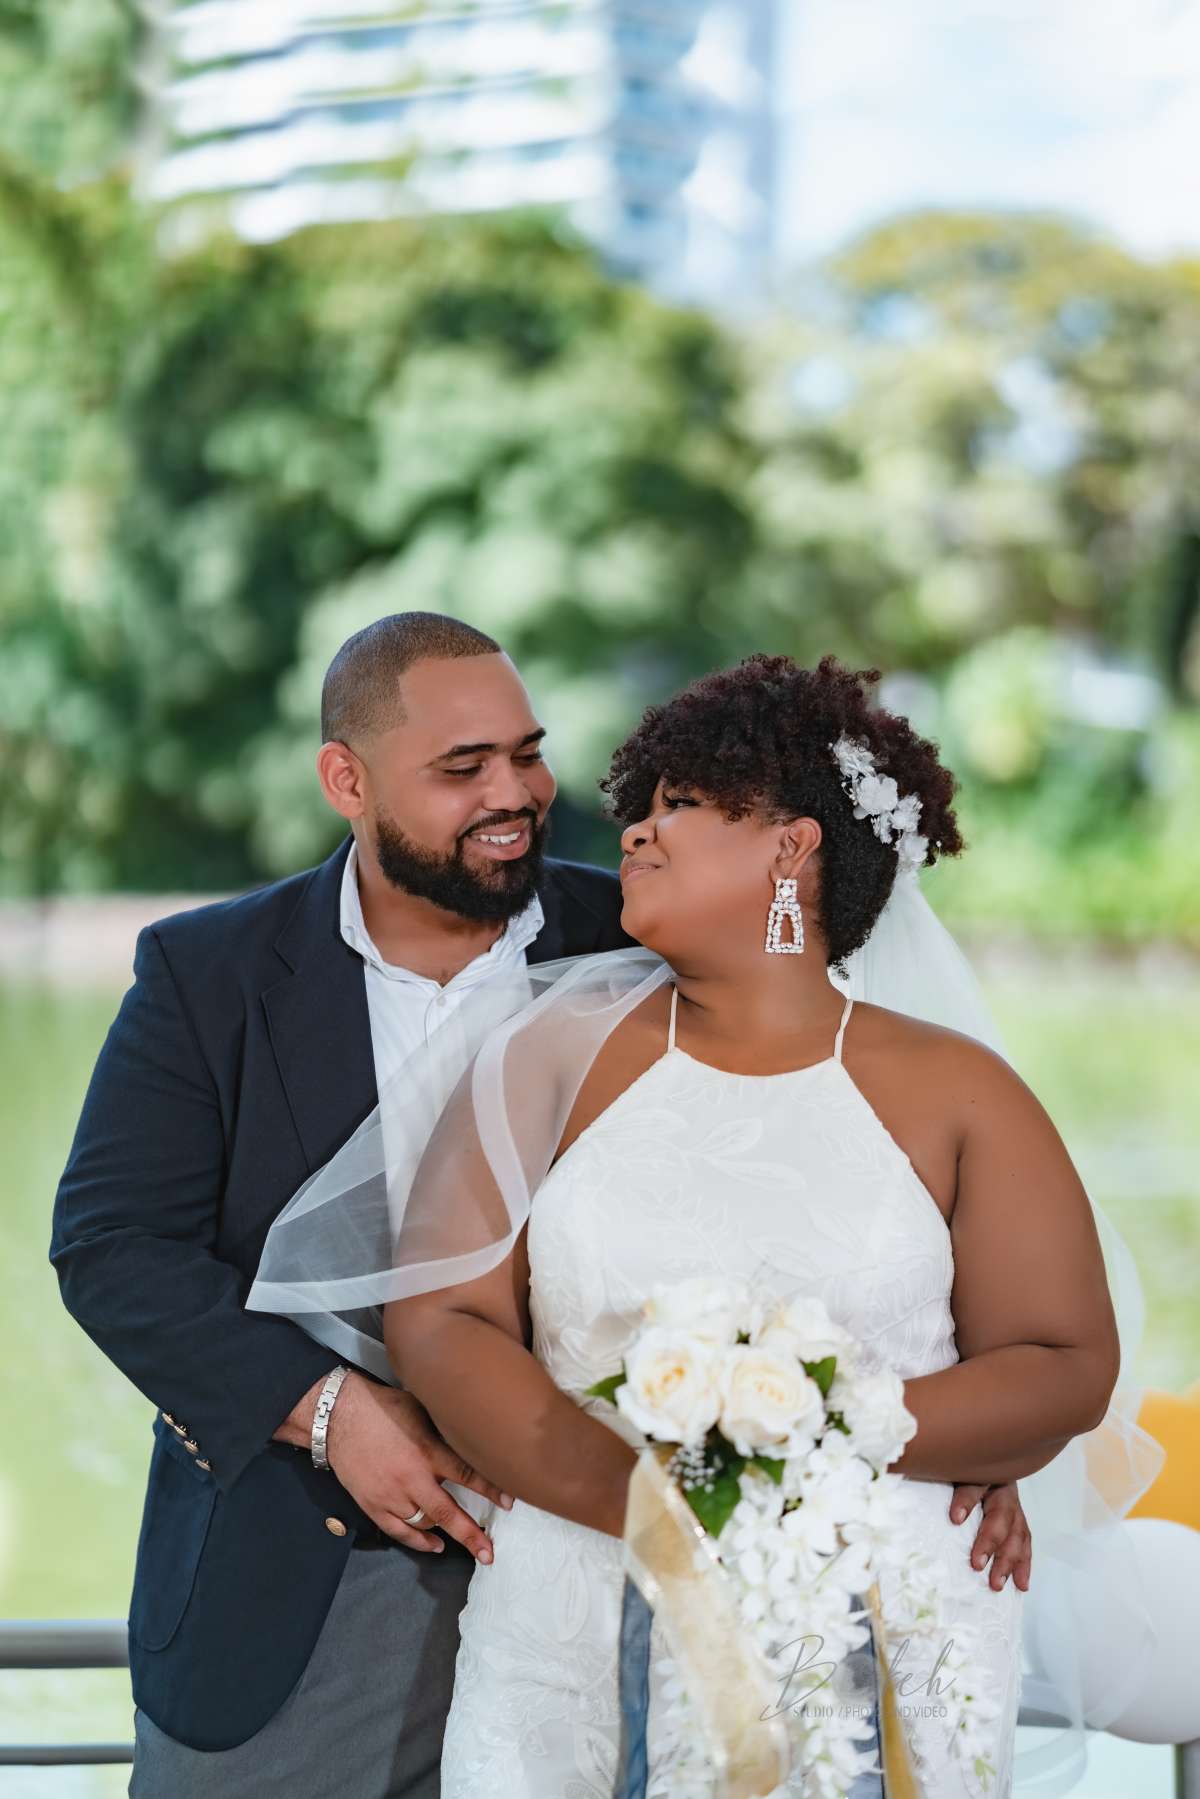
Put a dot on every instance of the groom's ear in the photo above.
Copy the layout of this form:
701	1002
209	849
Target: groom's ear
340	773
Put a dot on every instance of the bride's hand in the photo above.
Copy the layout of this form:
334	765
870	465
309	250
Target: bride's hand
385	1451
1003	1534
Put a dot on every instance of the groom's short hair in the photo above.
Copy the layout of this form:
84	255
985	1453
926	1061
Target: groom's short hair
360	695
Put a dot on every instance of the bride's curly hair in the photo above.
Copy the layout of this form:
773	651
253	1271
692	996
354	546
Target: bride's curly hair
756	738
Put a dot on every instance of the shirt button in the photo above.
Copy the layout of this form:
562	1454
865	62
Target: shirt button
335	1527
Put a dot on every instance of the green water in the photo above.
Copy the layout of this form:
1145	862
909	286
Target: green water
1114	1059
77	1436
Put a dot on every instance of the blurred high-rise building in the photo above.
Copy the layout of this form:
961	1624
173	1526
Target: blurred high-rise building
651	123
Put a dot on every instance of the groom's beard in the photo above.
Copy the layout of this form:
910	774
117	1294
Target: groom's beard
490	895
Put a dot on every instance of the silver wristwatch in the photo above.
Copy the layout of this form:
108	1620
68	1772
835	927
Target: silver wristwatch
320	1423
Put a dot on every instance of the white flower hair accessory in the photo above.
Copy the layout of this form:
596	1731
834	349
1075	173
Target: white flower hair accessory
875	796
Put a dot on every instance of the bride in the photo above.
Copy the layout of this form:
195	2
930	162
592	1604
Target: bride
714	1104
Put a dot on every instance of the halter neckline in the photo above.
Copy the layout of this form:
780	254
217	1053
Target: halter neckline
837	1042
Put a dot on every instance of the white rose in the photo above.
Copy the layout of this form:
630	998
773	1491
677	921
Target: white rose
803	1327
708	1309
768	1403
671	1391
872	1403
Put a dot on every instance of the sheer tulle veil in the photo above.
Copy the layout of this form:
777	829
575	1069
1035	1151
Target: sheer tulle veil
436	1184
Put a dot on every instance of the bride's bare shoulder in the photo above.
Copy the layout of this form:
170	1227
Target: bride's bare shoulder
936	1050
960	1077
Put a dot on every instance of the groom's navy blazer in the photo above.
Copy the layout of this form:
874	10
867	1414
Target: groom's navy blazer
240	1060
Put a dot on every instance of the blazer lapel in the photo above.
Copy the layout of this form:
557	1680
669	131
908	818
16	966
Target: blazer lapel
318	1021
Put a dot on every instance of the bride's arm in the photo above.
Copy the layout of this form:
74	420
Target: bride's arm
1033	1317
461	1351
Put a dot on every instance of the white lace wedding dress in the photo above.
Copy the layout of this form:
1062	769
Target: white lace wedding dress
790	1181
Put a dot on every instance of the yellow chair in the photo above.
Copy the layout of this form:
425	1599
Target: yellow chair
1173	1419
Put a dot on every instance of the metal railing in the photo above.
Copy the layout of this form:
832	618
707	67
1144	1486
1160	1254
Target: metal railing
66	1643
104	1643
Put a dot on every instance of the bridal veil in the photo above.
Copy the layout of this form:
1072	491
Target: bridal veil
436	1185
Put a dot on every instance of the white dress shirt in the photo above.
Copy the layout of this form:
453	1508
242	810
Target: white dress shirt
406	1008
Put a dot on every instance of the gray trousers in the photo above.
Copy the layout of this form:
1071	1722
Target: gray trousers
367	1717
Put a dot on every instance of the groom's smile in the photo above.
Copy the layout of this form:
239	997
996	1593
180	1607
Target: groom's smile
504	840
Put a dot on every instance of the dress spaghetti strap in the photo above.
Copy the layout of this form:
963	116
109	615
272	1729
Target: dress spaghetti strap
837	1042
671	1028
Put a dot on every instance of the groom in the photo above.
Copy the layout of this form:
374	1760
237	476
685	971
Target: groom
289	1633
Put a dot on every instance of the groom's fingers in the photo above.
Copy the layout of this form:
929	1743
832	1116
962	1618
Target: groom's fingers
441	1513
1023	1568
448	1466
1014	1557
992	1535
964	1499
1004	1536
412	1538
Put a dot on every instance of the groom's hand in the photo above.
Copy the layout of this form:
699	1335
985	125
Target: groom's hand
1003	1534
385	1451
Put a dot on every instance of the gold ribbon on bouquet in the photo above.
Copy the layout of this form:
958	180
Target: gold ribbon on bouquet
895	1758
674	1564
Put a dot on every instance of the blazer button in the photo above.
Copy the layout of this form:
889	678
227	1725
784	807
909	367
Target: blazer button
167	1418
179	1429
207	1466
192	1448
336	1526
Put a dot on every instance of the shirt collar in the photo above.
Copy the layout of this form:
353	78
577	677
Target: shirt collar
512	942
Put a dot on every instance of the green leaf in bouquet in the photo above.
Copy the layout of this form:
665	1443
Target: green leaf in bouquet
607	1388
822	1372
714	1502
770	1466
743	1337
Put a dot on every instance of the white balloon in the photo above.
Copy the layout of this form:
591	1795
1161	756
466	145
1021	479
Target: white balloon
1165	1707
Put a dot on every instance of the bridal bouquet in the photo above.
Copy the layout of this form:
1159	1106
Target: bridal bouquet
783	1429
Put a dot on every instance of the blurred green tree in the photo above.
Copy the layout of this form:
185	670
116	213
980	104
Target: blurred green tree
979	462
982	421
69	74
255	449
224	458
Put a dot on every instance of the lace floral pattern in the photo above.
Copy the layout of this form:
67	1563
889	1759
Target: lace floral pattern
788	1180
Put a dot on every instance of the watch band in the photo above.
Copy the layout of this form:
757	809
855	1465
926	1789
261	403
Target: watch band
320	1423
